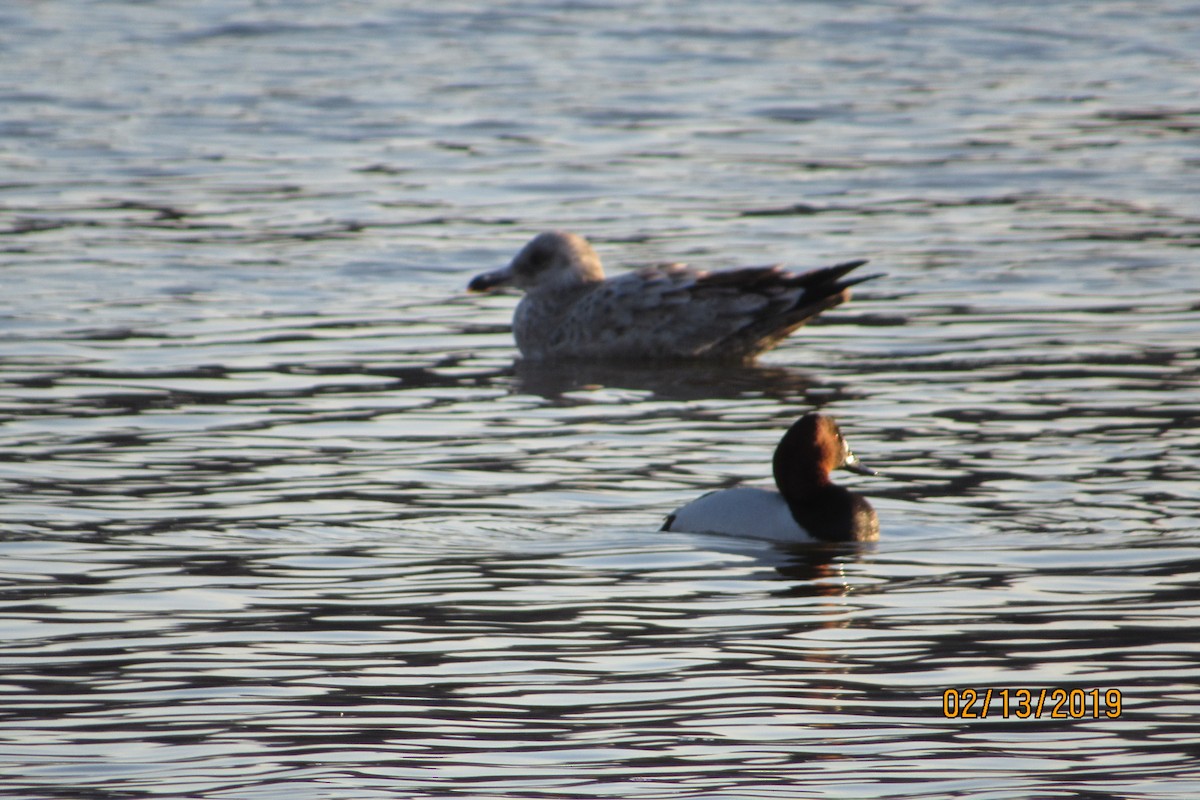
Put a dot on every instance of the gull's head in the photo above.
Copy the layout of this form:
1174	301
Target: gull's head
555	259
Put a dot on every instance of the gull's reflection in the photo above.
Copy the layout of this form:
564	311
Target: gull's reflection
667	380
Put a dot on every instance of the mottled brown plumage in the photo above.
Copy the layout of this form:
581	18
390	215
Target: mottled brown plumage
570	311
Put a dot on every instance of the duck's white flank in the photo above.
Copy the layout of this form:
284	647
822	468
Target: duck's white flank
749	511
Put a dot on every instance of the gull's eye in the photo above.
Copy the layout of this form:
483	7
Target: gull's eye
539	258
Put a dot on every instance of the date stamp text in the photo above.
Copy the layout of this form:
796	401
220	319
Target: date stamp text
1031	703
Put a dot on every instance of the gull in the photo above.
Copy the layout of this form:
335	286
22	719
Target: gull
669	312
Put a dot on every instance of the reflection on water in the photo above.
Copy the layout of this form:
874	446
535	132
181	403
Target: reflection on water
280	514
668	382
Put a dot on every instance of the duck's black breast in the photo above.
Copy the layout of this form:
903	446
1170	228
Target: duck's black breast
834	514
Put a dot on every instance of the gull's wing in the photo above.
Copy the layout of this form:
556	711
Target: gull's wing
673	311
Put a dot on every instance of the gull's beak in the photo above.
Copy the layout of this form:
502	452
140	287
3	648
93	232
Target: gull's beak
491	280
856	466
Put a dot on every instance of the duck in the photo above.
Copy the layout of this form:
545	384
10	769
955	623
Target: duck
805	507
673	312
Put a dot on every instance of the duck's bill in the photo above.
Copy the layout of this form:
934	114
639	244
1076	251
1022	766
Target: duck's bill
856	466
490	280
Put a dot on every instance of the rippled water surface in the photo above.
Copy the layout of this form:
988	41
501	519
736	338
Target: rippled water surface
282	517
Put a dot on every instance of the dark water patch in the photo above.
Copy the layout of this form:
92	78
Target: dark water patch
801	114
1174	120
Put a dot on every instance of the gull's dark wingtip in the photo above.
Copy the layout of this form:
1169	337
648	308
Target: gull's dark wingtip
832	279
861	279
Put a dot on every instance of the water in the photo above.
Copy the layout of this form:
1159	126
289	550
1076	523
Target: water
281	516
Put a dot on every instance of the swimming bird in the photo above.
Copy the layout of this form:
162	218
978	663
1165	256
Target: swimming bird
671	312
806	506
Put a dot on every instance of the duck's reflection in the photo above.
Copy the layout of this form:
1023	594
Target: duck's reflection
820	570
806	569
